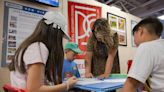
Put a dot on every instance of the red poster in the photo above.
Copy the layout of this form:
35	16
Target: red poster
80	21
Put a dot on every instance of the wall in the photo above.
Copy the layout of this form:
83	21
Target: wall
125	52
4	78
4	73
25	3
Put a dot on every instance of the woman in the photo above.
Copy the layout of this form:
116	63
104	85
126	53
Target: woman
101	51
32	67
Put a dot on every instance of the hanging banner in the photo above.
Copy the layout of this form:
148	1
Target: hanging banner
80	21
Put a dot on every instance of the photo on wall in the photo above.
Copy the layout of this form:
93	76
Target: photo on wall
113	22
133	23
118	24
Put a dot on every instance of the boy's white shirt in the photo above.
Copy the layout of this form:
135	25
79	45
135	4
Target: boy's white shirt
149	63
31	56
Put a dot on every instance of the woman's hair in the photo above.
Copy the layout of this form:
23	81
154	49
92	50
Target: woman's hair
52	38
102	26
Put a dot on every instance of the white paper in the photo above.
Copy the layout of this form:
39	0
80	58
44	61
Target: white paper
85	81
115	80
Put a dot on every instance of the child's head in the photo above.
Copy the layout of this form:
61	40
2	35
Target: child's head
147	30
71	50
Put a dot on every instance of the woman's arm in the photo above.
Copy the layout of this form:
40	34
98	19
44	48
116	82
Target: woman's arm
110	60
88	64
35	80
109	63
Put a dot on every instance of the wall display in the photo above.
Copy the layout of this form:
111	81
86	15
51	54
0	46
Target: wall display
118	24
19	22
133	23
80	21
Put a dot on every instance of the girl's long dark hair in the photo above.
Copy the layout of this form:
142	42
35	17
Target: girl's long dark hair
52	38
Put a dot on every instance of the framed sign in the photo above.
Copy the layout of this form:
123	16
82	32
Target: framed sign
118	24
80	20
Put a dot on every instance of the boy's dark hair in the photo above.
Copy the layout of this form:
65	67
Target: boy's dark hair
153	25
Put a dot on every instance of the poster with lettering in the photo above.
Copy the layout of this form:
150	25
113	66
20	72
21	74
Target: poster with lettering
80	20
19	22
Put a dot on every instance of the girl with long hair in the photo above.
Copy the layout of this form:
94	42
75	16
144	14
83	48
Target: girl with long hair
37	64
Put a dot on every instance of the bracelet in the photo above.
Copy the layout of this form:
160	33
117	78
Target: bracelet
67	84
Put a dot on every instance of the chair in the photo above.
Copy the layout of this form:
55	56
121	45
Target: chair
9	88
129	63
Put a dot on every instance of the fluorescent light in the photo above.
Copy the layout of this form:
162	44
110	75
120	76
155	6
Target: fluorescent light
161	17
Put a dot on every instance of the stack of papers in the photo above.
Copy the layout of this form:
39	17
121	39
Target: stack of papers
86	81
104	85
115	80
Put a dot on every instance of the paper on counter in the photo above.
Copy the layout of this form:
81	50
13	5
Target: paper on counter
115	80
85	81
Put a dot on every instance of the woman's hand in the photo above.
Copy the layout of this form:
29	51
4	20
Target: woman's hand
88	75
72	81
103	76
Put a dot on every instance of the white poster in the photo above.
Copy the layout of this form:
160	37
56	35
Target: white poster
133	23
81	66
21	22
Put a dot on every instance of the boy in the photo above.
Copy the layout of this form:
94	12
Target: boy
148	63
69	67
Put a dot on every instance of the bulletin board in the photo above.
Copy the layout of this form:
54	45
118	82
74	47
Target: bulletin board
19	22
